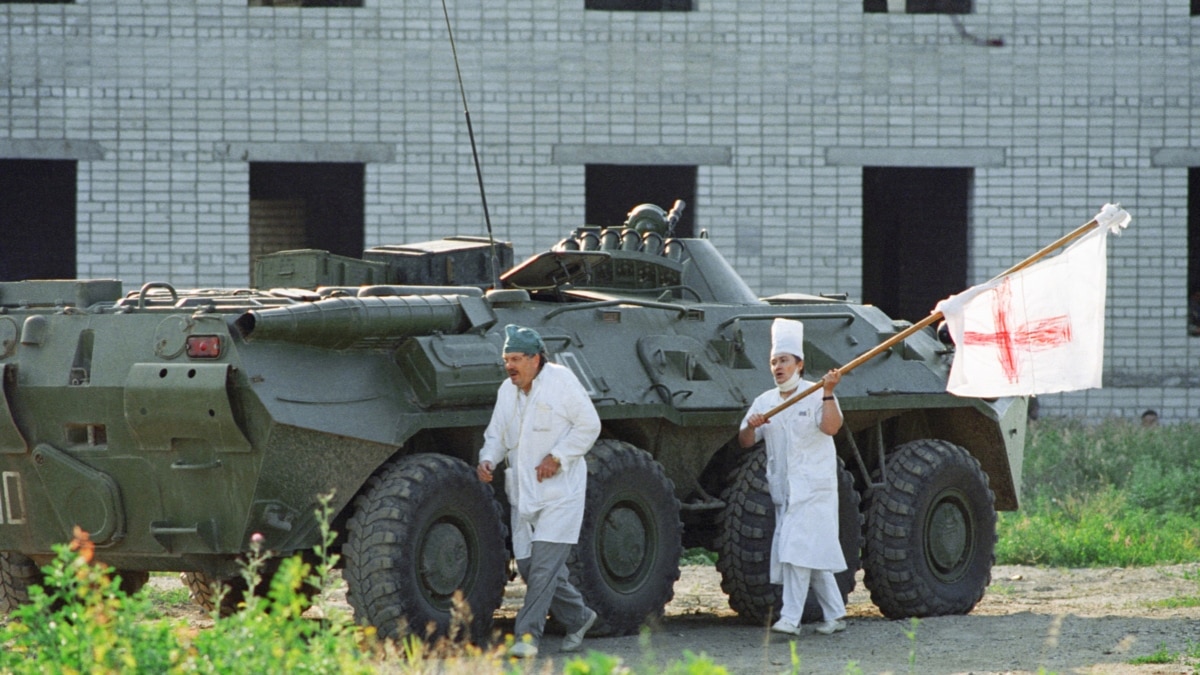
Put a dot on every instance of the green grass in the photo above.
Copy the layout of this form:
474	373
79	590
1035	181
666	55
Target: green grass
1113	494
1160	655
1183	600
698	557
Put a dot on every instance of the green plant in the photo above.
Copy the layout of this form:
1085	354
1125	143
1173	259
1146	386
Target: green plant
1068	457
79	620
597	663
1160	655
1108	494
698	556
1095	529
911	634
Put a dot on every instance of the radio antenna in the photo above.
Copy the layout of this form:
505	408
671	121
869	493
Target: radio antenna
474	152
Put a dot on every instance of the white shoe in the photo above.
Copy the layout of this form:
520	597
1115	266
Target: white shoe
831	627
574	639
786	628
523	650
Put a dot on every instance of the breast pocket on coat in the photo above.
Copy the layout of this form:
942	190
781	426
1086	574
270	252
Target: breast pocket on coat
543	417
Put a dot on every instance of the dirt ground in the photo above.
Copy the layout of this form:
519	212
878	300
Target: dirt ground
1060	620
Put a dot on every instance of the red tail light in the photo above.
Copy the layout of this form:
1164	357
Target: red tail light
204	346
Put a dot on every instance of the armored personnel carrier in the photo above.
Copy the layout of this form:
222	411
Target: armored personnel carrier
173	425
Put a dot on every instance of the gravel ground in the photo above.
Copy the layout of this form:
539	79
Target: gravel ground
1060	620
1031	619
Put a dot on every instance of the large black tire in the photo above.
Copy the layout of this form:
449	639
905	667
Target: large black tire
424	528
17	574
931	532
133	581
744	545
627	560
202	588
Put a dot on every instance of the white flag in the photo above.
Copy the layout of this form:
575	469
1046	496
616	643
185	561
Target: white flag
1039	330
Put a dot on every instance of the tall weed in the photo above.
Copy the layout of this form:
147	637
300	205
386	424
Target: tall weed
1109	494
79	620
1067	457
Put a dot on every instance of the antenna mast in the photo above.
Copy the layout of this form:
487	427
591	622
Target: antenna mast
487	219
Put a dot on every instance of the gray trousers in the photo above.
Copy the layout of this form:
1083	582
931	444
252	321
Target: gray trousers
547	590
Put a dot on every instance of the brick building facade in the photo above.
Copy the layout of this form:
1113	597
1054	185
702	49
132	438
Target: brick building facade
893	150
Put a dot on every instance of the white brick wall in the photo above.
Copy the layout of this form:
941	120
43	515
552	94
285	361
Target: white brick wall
1078	99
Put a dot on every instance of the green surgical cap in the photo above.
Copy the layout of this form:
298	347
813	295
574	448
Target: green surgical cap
522	340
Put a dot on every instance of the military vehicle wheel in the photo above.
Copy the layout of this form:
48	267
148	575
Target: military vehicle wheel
17	574
202	588
424	528
744	545
931	532
627	560
132	581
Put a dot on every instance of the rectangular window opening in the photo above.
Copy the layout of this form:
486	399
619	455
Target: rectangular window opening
640	5
612	190
1193	245
37	219
306	3
922	6
915	224
306	205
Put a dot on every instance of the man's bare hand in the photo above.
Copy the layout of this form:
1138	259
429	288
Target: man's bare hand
831	380
547	468
484	471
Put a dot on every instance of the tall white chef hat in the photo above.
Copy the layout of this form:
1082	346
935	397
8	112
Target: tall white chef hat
787	337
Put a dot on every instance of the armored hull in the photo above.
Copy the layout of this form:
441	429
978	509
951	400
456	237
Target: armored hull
175	424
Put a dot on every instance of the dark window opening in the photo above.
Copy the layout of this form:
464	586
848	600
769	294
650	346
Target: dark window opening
612	190
1193	225
1195	7
306	205
306	3
639	5
37	219
923	6
914	237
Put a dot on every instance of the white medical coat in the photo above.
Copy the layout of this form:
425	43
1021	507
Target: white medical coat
802	476
555	418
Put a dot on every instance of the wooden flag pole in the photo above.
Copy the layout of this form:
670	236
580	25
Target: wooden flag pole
929	320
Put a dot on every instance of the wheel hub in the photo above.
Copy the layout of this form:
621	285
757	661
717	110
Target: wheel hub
623	543
949	539
444	559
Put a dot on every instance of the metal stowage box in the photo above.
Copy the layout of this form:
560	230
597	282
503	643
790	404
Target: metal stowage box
64	292
453	261
312	268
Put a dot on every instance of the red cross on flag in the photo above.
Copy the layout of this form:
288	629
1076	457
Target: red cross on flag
1039	330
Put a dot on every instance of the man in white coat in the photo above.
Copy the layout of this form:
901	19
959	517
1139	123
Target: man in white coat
543	425
802	476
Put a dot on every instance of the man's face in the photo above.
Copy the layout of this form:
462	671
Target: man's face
521	369
783	366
